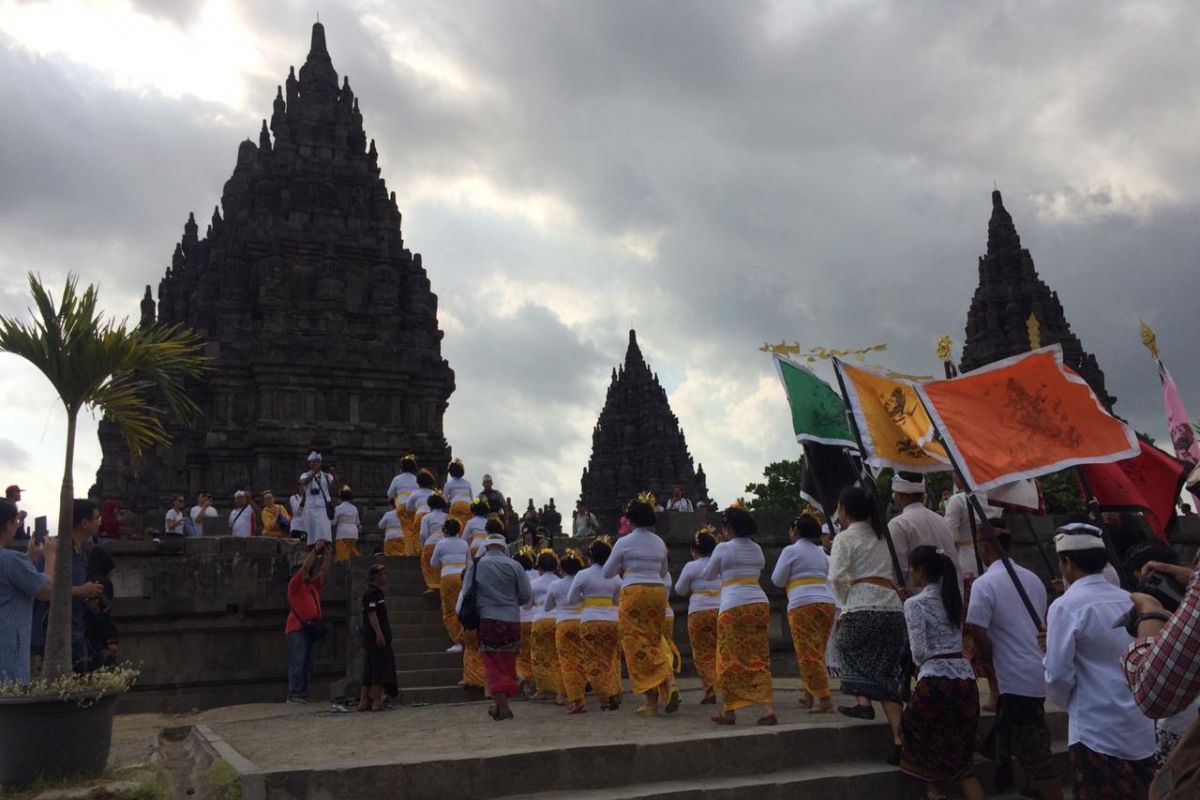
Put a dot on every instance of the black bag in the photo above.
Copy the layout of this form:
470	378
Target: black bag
468	610
316	629
329	510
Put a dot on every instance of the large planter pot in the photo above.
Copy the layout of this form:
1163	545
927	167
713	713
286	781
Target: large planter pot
53	737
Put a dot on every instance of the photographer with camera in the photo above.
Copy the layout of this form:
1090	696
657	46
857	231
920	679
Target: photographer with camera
316	501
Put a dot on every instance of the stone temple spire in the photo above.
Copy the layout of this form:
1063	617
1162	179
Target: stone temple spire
637	444
1009	292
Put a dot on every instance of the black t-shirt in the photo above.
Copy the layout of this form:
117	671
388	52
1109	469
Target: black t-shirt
374	600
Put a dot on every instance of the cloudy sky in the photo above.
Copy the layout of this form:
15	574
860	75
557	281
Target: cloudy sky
715	174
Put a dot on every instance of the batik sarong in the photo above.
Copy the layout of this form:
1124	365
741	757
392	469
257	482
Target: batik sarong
938	730
499	645
451	585
1096	776
810	625
393	546
461	511
412	536
569	642
874	657
601	663
473	672
668	632
546	672
431	574
647	653
525	656
702	633
345	548
744	655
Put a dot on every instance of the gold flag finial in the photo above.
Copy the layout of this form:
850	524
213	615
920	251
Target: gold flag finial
1035	331
1148	338
943	347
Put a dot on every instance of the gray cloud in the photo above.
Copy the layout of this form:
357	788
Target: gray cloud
13	455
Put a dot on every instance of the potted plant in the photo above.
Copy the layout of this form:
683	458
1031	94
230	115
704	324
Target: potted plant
66	719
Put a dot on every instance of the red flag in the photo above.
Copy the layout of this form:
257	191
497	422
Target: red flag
1149	482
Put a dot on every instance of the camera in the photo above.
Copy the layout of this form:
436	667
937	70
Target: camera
1162	588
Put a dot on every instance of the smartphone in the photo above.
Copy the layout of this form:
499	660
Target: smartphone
40	531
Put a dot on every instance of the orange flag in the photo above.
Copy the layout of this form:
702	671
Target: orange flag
896	432
1022	417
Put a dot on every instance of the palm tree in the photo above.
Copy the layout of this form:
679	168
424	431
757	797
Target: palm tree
104	366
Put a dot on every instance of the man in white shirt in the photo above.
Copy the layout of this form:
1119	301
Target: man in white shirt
917	525
242	516
1006	639
1111	741
203	510
173	523
678	502
584	523
958	518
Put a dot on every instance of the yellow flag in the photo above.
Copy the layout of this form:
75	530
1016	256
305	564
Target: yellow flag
894	427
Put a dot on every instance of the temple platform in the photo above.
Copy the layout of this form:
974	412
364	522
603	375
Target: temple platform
444	751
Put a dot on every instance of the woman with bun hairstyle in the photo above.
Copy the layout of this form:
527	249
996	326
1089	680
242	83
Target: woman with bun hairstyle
598	625
704	601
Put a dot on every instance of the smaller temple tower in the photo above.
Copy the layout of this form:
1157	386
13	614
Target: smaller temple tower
1009	292
637	444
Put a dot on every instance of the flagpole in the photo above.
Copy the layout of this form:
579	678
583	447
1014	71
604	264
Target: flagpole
1050	569
951	370
973	501
1114	557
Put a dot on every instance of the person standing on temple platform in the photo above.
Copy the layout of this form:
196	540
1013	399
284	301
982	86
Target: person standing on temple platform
173	523
583	522
318	495
872	638
916	525
203	510
13	495
296	504
598	597
379	663
743	645
567	638
458	492
704	603
276	521
418	506
243	516
347	526
938	726
450	557
431	533
304	619
552	519
110	521
494	498
803	572
530	522
1111	742
1006	641
543	648
678	502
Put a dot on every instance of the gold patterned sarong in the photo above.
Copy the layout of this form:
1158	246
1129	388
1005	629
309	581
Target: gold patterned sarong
345	548
647	653
412	536
702	633
406	524
569	642
525	655
474	673
811	625
544	650
451	585
668	632
601	662
744	655
432	574
461	511
393	546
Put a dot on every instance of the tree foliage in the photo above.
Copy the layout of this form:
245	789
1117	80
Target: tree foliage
781	492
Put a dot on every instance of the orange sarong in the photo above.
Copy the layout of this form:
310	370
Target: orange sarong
702	633
668	632
811	625
393	546
647	653
544	650
744	655
525	655
474	673
412	536
569	643
345	548
450	587
461	511
601	660
432	574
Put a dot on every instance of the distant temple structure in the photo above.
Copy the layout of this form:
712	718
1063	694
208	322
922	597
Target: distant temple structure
1009	292
321	326
637	444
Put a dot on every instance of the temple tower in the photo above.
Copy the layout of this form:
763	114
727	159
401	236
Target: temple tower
637	444
1009	292
321	326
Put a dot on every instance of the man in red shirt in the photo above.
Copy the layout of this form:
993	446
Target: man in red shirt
304	609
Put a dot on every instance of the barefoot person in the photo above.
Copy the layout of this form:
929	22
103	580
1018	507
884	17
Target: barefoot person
598	622
704	603
803	571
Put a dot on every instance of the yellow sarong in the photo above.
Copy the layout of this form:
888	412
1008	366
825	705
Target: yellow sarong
346	548
544	650
668	632
473	672
601	663
569	643
461	511
744	655
406	523
810	626
647	653
393	546
432	574
451	585
412	536
702	633
525	655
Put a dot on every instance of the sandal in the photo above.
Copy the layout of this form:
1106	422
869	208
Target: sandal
725	719
577	709
673	700
709	699
769	719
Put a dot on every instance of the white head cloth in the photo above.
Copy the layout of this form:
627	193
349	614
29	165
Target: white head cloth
238	493
314	456
1077	536
496	540
903	486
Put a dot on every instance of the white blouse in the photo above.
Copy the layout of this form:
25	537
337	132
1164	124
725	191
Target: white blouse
527	611
738	564
599	596
451	554
431	525
643	556
556	601
702	594
930	634
389	523
857	553
416	500
541	587
803	570
458	490
401	487
345	517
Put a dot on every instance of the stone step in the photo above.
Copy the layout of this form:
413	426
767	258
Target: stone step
431	660
426	645
419	628
440	676
430	695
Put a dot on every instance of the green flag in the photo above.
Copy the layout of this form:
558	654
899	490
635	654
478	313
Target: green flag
818	413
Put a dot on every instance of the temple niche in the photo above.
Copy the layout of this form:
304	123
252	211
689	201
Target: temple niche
637	444
321	326
1009	292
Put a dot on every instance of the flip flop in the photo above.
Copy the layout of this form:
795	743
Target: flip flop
769	719
673	700
724	719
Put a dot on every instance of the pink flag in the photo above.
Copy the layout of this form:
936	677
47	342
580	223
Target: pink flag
1183	436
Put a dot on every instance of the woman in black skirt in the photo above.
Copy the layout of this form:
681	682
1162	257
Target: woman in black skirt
938	725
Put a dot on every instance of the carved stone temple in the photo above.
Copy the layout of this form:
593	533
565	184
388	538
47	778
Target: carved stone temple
321	325
637	444
1009	292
